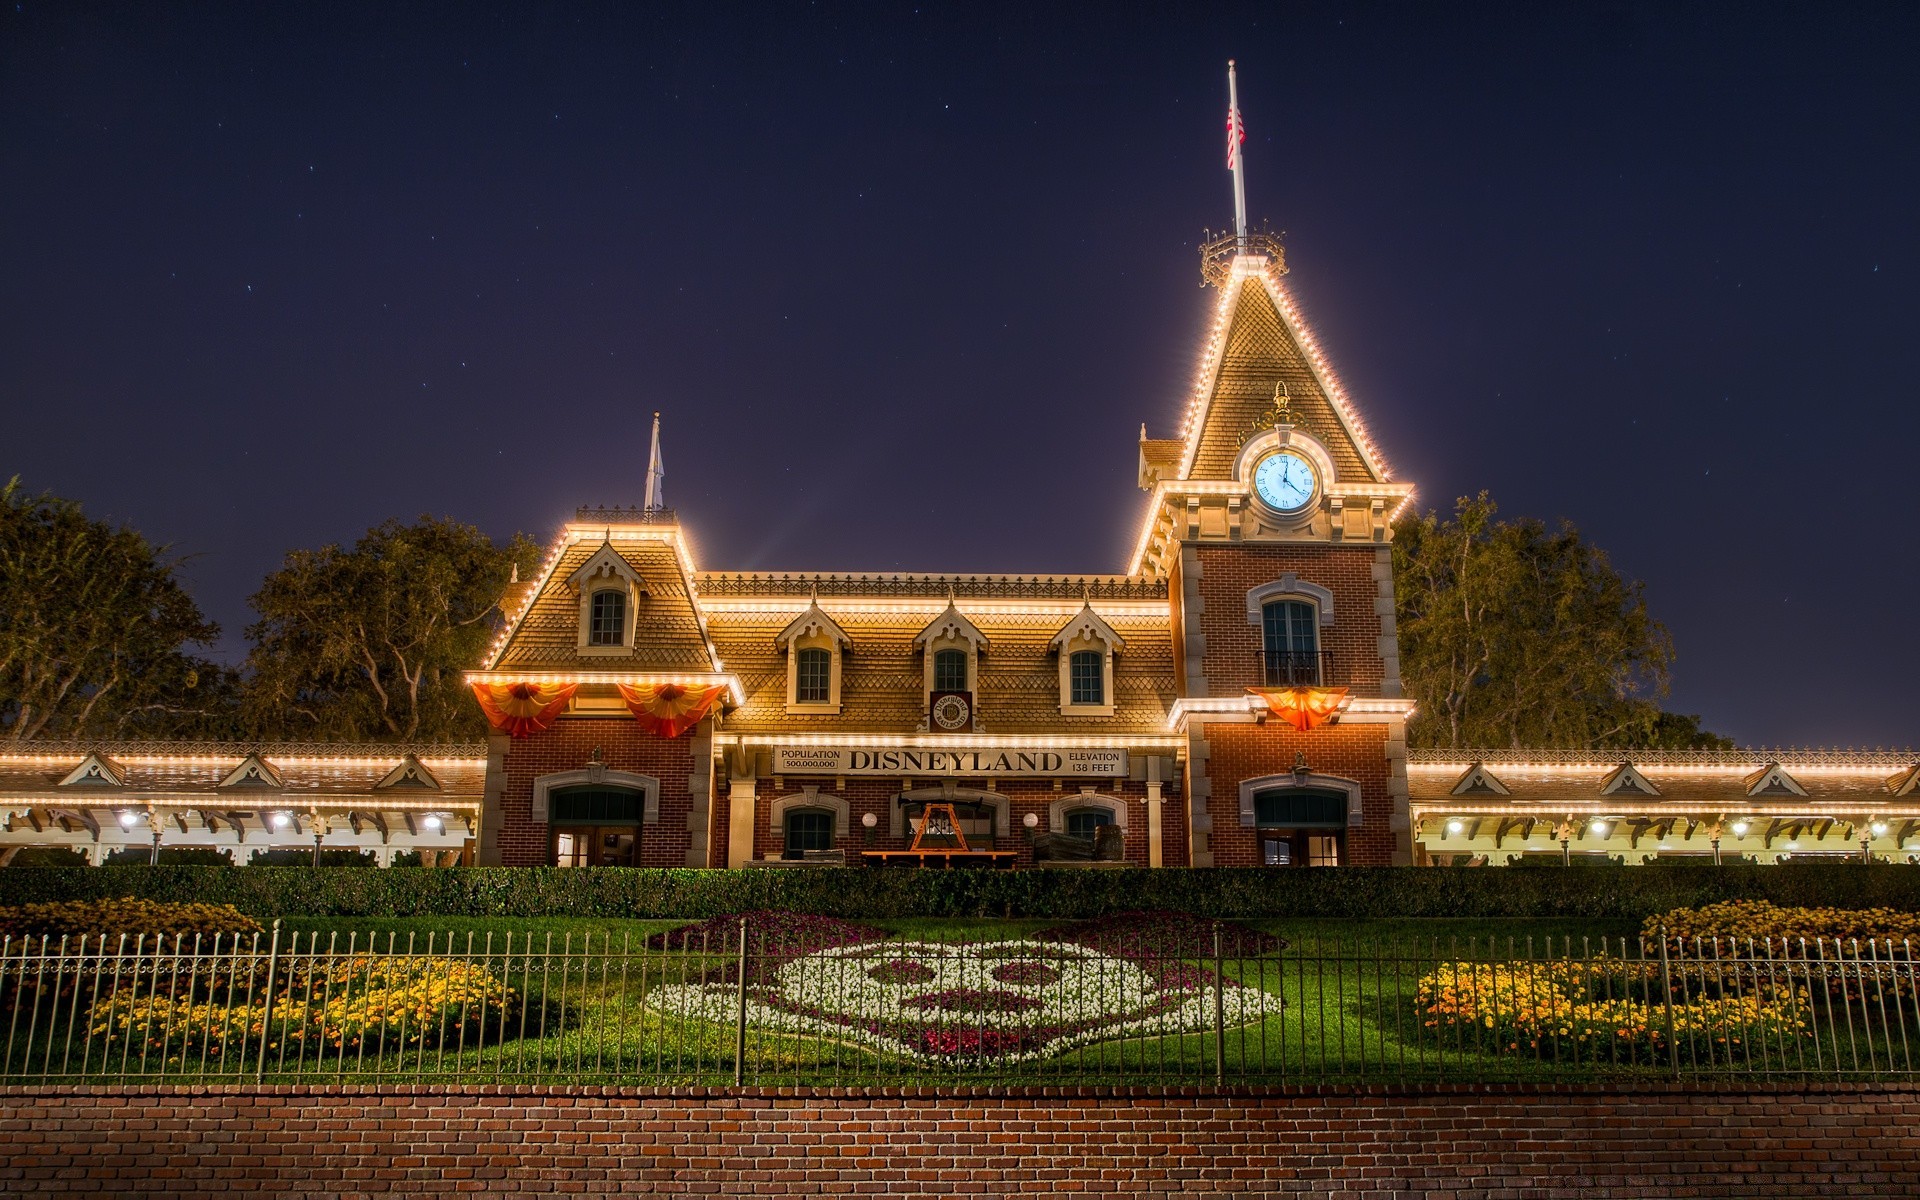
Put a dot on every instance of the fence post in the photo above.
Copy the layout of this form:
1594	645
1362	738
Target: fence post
740	1015
266	1010
1666	1003
1219	1008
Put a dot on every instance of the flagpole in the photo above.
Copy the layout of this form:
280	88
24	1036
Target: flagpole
655	483
1238	155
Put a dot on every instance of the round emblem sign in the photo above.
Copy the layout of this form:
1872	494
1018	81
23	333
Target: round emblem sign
952	712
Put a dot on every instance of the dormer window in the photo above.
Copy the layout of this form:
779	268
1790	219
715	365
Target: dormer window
1087	646
607	620
815	644
951	647
610	590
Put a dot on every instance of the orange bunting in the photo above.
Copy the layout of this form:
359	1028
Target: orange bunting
520	709
1303	707
669	709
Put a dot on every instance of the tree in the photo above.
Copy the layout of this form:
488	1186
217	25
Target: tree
370	642
93	628
1514	634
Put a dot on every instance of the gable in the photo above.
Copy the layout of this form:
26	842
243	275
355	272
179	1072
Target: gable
1771	780
96	770
669	633
410	774
1626	780
1261	354
1478	781
254	772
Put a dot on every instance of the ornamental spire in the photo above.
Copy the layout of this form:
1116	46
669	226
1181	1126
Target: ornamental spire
656	474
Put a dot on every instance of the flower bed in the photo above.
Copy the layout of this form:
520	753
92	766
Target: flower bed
1606	1009
960	1003
1736	923
367	1004
107	919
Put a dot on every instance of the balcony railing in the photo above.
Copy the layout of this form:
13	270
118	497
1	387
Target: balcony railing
1299	668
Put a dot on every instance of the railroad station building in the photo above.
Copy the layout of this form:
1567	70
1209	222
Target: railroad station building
1231	697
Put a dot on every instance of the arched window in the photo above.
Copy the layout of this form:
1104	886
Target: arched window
1086	822
1088	671
1291	632
808	829
813	675
950	671
608	621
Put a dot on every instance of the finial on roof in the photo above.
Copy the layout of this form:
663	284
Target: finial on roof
656	473
515	578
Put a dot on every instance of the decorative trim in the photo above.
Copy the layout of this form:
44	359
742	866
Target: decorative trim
1086	798
1289	585
813	623
875	584
597	773
1304	780
811	798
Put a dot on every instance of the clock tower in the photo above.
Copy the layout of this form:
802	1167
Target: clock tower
1270	516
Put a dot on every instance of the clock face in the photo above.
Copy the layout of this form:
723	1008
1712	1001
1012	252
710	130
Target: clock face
1284	481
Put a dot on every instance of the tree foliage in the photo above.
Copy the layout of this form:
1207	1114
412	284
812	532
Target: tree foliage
93	628
1515	634
370	641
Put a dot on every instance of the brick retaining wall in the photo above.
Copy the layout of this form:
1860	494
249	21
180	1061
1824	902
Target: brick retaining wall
1492	1143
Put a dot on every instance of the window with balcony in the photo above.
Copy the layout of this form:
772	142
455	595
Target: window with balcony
1290	635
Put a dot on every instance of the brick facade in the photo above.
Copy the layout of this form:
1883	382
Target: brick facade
623	746
1356	752
1233	662
1484	1143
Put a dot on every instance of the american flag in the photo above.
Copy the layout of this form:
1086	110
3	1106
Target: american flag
1236	134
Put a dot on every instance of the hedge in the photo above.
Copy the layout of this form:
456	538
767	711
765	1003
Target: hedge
1622	892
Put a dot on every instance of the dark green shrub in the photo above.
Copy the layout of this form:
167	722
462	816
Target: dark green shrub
846	892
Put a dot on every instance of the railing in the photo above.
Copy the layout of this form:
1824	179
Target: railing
1299	668
734	1005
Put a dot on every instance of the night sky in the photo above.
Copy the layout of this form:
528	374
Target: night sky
905	281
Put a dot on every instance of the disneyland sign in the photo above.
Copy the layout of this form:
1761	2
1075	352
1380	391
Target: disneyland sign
1100	762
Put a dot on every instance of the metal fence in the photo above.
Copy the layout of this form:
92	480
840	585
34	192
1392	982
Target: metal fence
735	1006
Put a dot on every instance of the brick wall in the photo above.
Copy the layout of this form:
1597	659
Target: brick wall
567	746
1232	662
1485	1143
1356	752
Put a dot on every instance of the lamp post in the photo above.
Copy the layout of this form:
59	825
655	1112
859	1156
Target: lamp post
868	822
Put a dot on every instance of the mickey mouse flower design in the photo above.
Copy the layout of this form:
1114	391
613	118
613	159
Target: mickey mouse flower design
956	1003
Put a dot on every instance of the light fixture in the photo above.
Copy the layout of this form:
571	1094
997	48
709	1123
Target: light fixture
432	822
1879	828
1031	820
1740	828
1456	827
1599	828
127	819
281	820
869	820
